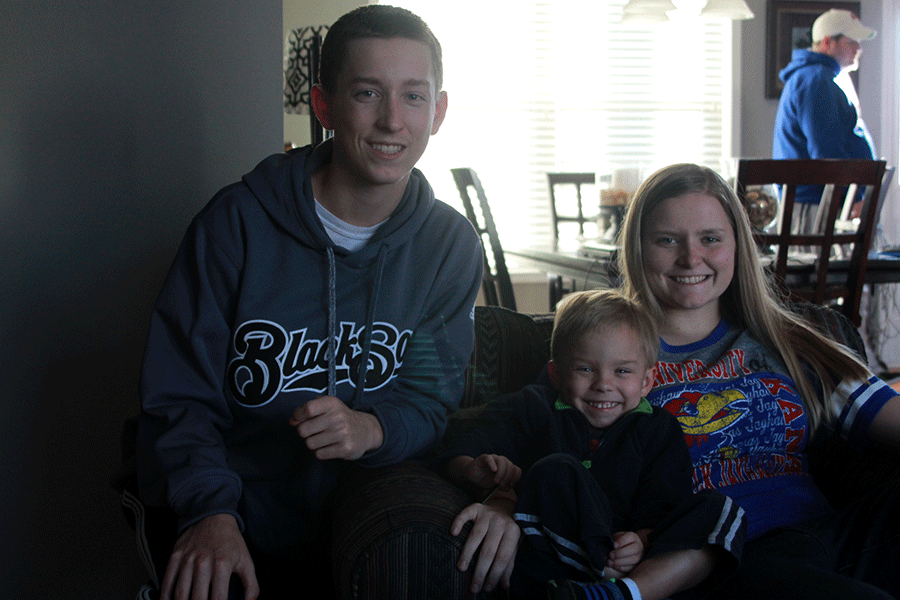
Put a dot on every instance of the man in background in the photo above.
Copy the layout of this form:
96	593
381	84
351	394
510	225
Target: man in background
818	115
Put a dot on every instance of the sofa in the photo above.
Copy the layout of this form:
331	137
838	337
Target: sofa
391	535
391	526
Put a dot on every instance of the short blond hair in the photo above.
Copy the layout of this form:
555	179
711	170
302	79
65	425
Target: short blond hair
580	313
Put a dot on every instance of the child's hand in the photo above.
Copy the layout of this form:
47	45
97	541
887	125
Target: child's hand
628	550
489	470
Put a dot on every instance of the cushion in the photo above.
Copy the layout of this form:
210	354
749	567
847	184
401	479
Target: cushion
510	350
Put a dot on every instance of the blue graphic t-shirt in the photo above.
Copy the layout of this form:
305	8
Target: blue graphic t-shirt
746	427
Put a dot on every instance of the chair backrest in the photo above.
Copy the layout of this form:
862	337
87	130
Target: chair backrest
885	190
841	178
496	282
577	180
852	207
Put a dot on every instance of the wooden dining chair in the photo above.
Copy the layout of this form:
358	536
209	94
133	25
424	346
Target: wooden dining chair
558	213
576	180
496	283
830	279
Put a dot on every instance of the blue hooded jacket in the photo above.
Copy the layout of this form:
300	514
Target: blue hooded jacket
239	338
815	117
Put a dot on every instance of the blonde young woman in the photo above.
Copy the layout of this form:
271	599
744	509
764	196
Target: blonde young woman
750	382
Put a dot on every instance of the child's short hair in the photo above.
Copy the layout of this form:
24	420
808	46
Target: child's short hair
583	312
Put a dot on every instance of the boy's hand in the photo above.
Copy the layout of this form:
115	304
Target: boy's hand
492	544
203	560
628	550
331	429
490	470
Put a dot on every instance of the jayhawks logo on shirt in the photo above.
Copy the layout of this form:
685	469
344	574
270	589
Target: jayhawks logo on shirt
702	414
746	427
738	429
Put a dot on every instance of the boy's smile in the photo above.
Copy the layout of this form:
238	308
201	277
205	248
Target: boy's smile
605	375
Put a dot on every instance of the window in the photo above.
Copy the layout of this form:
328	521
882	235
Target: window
543	85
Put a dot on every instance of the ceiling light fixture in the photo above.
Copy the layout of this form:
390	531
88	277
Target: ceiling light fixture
736	10
646	11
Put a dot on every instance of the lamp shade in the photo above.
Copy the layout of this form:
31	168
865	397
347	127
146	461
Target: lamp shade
736	10
644	17
645	6
646	11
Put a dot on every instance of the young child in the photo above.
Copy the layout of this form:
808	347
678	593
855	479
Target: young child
600	479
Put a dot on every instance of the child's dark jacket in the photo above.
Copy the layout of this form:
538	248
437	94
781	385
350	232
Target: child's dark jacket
641	461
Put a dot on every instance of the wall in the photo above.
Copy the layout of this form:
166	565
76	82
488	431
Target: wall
120	119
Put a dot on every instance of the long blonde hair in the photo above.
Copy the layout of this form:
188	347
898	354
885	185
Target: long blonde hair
750	301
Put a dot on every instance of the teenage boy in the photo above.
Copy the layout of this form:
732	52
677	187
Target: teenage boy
606	489
318	312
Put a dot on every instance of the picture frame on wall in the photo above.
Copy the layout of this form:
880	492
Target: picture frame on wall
789	26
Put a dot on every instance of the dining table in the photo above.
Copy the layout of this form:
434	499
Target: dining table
596	266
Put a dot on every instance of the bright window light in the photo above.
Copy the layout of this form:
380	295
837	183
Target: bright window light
560	85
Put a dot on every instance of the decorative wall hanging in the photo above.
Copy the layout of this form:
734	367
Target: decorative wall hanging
301	63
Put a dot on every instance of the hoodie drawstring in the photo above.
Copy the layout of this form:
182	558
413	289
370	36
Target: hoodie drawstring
370	321
333	330
332	323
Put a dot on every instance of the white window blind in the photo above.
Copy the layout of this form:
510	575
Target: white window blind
560	85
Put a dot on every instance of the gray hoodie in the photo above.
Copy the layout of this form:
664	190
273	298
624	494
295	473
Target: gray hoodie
240	336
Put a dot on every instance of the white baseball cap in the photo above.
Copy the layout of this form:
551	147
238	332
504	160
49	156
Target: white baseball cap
841	22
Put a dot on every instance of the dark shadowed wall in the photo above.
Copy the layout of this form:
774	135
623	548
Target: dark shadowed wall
118	121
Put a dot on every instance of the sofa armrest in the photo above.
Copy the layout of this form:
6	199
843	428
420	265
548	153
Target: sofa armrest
391	535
